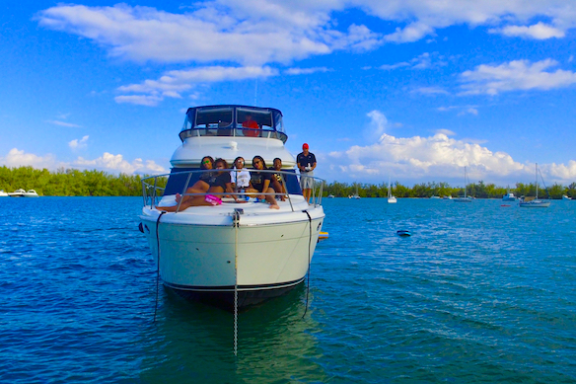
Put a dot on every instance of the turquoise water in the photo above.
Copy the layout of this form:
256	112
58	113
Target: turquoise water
479	293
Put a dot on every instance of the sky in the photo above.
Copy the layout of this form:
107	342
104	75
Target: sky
408	90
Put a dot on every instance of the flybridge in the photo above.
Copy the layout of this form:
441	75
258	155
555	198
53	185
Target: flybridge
233	121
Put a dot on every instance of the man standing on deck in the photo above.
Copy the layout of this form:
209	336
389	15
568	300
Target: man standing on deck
306	162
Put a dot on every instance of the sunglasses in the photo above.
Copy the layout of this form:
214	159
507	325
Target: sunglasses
240	161
206	162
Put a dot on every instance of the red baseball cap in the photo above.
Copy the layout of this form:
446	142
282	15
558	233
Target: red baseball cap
305	146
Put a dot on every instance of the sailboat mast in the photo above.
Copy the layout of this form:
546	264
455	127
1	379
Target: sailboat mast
465	181
536	181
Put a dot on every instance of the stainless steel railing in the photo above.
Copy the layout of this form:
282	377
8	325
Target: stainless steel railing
152	192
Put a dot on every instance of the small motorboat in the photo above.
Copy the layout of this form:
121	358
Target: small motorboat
17	193
30	193
3	194
403	233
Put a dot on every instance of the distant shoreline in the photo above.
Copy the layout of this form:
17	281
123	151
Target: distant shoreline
73	182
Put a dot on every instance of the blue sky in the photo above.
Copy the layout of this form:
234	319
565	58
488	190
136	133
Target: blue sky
414	90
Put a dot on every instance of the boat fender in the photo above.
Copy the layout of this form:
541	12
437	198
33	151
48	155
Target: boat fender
141	228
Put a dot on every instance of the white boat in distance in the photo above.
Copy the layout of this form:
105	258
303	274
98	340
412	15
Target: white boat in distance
17	193
3	194
463	199
391	198
564	197
509	196
356	195
231	255
30	193
534	203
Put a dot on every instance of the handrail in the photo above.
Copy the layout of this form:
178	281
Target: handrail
231	131
151	192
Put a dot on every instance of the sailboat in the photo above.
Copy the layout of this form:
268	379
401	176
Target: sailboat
535	203
356	196
463	199
391	198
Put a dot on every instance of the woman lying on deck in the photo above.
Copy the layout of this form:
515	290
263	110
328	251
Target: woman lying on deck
210	182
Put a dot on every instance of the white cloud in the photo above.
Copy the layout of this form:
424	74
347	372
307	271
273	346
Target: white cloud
117	163
19	158
305	71
423	17
515	75
389	67
281	31
64	124
446	132
252	32
174	83
539	31
423	61
377	125
430	91
78	144
107	162
436	157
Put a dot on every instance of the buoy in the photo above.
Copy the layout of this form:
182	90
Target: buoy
403	233
323	236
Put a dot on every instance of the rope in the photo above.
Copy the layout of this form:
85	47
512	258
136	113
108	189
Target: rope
158	266
236	225
309	261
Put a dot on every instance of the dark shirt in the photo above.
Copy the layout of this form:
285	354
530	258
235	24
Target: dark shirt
258	178
305	160
213	179
276	176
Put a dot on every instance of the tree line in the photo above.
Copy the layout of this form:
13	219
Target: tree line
72	182
426	190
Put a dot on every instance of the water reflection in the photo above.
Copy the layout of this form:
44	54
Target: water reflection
192	342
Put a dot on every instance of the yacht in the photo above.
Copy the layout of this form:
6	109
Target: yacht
231	255
565	197
17	193
509	196
30	193
3	194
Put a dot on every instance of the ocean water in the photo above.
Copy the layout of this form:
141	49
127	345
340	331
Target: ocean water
478	294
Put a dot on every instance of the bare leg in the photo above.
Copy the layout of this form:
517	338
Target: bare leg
271	199
307	193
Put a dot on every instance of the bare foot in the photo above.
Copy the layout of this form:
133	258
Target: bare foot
274	206
178	197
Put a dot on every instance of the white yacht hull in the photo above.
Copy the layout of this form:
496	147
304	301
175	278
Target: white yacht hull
273	252
535	204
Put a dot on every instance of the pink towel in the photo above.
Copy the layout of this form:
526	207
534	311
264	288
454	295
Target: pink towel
213	200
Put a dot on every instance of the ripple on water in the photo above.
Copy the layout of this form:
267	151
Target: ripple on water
478	293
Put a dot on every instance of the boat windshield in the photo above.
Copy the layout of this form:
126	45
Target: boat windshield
232	120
